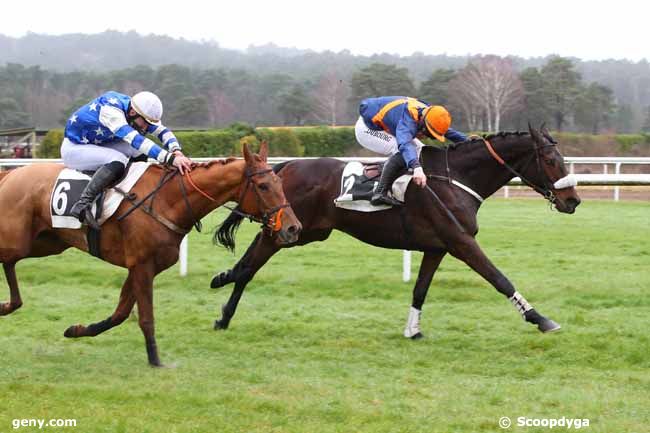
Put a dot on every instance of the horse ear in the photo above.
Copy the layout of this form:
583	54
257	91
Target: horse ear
264	150
248	156
535	134
544	130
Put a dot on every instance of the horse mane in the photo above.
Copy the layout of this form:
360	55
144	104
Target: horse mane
207	164
479	138
210	163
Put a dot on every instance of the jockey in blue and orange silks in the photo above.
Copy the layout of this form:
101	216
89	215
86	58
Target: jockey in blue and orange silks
105	133
391	125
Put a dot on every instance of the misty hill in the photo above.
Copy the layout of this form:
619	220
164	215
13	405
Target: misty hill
43	78
112	50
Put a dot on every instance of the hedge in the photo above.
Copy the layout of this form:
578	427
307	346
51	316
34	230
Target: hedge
337	141
50	147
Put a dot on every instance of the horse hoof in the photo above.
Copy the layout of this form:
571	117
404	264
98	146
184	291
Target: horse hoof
8	307
220	325
416	336
548	325
216	282
72	332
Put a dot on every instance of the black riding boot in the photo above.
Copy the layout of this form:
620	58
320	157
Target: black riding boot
393	168
103	177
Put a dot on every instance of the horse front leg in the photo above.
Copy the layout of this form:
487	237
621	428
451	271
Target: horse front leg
124	307
470	252
258	253
230	276
428	267
15	302
142	276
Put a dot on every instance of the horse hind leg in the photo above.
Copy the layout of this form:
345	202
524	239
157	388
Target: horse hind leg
15	302
44	245
430	263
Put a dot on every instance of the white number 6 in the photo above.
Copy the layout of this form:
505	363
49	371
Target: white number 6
60	198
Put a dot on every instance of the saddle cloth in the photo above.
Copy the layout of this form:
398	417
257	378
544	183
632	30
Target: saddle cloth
69	186
357	187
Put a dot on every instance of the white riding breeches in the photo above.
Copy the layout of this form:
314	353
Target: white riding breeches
379	141
91	157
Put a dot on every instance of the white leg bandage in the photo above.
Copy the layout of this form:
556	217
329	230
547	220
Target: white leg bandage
520	303
413	323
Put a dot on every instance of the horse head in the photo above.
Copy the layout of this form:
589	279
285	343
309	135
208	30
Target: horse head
548	174
265	198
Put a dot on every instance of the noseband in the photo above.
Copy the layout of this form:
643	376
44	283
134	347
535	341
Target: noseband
272	217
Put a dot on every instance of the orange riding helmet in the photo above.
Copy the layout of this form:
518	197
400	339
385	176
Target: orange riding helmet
437	120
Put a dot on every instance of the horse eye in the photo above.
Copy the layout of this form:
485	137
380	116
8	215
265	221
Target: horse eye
264	186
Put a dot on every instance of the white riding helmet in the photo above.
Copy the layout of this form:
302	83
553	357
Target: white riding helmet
147	105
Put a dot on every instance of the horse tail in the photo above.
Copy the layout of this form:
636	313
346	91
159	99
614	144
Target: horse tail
280	166
225	234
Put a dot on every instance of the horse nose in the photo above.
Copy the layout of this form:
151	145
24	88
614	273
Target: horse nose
293	229
572	203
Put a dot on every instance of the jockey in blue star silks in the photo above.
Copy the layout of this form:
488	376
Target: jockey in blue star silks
391	125
103	134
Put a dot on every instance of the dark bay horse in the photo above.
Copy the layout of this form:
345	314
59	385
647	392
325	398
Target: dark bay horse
424	223
143	244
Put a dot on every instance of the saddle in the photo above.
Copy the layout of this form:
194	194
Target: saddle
358	183
372	170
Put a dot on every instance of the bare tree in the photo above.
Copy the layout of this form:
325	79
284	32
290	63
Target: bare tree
329	97
489	86
465	101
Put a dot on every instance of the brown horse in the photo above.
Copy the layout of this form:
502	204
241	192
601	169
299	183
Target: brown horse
437	220
137	242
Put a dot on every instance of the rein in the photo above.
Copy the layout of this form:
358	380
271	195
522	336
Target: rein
271	218
166	177
544	190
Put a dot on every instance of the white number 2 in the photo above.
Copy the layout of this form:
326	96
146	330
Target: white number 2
60	198
348	184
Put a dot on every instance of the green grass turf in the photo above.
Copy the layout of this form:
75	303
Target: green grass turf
316	344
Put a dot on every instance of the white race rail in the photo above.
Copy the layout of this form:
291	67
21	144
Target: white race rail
617	179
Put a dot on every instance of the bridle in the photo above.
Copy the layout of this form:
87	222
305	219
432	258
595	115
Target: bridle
546	189
271	218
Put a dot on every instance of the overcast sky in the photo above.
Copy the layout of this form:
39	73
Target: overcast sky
590	30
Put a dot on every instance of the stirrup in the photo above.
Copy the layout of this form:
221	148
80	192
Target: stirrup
90	220
86	217
383	199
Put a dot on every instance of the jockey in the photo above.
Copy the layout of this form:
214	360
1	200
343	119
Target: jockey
103	134
392	125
